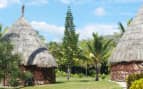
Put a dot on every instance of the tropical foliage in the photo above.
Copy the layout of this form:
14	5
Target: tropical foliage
99	51
138	84
9	62
133	77
122	27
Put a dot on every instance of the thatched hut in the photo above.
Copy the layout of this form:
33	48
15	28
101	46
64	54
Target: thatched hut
127	58
35	56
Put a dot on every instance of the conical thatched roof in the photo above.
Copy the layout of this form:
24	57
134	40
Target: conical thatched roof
130	46
27	43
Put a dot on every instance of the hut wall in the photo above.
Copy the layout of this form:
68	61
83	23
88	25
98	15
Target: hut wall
119	72
41	75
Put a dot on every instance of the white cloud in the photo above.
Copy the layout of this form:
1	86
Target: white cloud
101	29
103	1
36	2
45	27
124	1
49	30
66	1
5	3
100	11
74	1
57	32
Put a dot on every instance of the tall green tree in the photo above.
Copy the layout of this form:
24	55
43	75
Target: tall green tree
9	62
99	51
57	51
70	41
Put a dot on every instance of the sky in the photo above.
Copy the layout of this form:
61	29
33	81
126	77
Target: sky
48	16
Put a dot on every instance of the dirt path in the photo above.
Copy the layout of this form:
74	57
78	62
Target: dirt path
122	84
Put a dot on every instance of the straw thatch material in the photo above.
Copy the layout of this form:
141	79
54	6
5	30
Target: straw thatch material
27	43
130	46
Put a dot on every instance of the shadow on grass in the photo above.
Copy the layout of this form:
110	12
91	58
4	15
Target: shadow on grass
59	82
9	88
84	81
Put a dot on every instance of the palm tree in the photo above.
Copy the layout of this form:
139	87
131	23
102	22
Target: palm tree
85	60
99	51
121	26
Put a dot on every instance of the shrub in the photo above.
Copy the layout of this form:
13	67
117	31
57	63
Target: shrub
131	78
78	75
92	73
60	73
14	82
27	77
74	75
138	84
63	74
103	76
14	78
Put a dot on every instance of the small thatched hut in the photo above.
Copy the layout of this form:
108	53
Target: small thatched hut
127	58
35	56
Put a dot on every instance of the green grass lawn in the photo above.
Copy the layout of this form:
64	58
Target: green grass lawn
78	83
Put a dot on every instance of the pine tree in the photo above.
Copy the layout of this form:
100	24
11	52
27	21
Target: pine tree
70	41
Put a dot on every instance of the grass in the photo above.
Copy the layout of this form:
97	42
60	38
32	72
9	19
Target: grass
78	83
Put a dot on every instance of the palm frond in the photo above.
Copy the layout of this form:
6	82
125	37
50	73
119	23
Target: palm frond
129	22
121	27
107	44
91	49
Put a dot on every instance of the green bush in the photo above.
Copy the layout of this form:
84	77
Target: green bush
14	78
27	77
60	73
77	75
14	82
80	75
103	76
138	84
63	74
131	78
92	73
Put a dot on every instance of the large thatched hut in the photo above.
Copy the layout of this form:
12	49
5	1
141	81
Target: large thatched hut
35	56
127	58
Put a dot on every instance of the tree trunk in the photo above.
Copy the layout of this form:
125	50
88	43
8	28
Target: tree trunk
96	68
4	80
68	72
86	68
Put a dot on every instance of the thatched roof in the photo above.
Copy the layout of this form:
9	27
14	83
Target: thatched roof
130	46
28	44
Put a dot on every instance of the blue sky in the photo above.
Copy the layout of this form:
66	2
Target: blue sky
48	16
